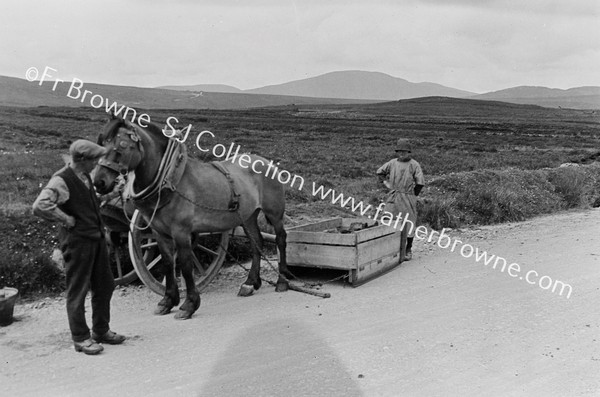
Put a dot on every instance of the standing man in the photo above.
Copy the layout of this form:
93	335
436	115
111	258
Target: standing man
404	177
70	199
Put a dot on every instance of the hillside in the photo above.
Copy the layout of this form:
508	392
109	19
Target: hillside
19	92
383	87
457	107
360	85
575	98
202	88
351	87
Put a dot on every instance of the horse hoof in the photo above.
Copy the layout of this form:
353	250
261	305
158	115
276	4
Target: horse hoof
246	290
282	287
183	315
162	310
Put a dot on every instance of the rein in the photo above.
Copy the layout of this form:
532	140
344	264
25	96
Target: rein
168	161
171	159
167	175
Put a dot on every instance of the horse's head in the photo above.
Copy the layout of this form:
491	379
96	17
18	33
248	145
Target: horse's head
125	152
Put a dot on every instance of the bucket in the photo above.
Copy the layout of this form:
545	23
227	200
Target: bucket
8	297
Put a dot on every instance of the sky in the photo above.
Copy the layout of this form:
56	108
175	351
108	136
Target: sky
473	45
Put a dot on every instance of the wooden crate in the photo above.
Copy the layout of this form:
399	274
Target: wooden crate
364	254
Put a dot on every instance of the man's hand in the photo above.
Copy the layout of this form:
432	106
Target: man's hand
70	222
418	189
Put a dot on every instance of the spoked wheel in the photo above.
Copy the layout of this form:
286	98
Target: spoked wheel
116	231
122	268
208	253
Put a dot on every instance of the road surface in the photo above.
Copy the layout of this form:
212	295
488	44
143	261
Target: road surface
440	325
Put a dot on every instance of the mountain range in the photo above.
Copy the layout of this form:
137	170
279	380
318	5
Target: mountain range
350	84
356	84
331	88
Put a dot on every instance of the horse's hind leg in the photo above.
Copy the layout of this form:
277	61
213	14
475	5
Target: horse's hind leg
253	282
171	298
185	261
280	239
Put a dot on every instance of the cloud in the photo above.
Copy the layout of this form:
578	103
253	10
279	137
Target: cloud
473	45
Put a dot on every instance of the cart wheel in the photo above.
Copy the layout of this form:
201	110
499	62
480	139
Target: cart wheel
122	269
209	253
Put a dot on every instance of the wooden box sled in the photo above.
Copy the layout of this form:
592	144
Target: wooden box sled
365	253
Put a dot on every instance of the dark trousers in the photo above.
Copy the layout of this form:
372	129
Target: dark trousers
87	269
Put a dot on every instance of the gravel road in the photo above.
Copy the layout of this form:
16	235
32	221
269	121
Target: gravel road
440	325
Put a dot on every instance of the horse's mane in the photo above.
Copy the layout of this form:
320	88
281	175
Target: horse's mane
111	129
155	129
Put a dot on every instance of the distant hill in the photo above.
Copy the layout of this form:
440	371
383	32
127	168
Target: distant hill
356	84
20	92
202	88
576	98
331	88
444	107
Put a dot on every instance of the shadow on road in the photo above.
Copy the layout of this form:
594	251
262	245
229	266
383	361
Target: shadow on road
280	358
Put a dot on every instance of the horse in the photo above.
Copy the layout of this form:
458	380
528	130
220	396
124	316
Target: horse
191	197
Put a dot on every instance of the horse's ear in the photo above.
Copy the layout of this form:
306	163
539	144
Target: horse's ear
111	127
128	124
113	116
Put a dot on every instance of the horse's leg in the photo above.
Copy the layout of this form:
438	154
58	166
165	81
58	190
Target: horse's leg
280	239
171	298
253	282
185	261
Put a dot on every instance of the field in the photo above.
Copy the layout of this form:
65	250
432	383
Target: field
485	162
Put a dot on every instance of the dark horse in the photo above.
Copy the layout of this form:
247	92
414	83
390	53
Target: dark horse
181	196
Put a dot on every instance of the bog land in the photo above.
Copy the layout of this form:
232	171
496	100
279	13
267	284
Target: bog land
485	162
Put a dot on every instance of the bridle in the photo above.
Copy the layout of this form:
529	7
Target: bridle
127	146
126	143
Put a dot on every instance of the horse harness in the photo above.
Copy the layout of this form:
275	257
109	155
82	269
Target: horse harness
169	175
122	148
234	200
170	172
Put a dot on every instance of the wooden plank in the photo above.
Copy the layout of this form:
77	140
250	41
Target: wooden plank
373	233
374	269
313	237
325	256
374	249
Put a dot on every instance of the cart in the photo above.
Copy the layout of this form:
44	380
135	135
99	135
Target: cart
116	221
127	229
365	252
209	253
134	251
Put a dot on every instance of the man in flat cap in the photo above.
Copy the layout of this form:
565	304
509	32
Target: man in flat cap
69	198
404	177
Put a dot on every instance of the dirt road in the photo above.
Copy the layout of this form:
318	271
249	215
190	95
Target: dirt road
440	325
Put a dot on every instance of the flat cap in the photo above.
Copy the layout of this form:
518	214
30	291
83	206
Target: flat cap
83	149
403	144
